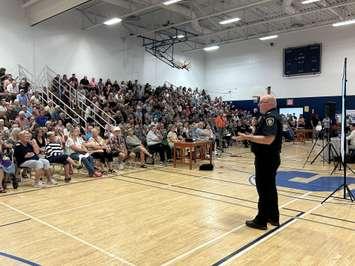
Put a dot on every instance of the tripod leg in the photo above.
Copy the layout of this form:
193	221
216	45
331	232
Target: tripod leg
309	154
335	167
319	153
332	193
351	170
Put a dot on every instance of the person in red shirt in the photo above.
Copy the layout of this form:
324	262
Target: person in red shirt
220	122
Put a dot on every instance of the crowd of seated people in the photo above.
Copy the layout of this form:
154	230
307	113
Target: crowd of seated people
148	121
36	135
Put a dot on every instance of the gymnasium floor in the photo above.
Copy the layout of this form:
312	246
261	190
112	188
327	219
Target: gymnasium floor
167	216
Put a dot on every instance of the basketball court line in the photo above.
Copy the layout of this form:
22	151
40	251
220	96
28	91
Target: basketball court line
324	223
315	221
278	230
107	253
217	194
89	179
19	259
245	184
93	203
110	199
324	216
16	222
110	254
103	201
181	192
256	240
54	186
219	237
187	188
334	218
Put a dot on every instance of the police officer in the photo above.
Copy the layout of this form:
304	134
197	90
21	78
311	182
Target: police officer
266	145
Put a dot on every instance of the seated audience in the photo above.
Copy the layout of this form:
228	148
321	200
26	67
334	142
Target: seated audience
135	145
172	136
40	139
76	149
55	154
351	138
154	142
100	151
26	153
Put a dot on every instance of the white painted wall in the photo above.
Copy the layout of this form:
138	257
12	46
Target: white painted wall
100	52
247	68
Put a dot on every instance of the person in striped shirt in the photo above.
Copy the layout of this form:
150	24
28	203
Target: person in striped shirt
55	154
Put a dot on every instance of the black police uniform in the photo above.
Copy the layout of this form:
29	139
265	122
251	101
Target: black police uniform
267	160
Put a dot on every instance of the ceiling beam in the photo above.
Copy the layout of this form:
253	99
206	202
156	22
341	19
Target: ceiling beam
214	14
299	13
120	3
30	3
289	30
40	11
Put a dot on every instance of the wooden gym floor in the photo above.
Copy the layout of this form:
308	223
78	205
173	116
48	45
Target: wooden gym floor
167	216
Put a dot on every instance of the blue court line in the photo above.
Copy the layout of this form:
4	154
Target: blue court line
19	259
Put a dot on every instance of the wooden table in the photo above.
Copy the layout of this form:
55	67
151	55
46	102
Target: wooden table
203	146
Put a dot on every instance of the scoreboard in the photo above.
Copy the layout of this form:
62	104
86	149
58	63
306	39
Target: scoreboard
303	60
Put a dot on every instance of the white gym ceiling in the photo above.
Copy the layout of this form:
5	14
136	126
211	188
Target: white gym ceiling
151	18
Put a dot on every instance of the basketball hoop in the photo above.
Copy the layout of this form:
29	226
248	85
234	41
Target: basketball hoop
185	65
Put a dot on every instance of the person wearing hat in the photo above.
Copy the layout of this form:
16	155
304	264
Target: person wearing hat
55	154
118	146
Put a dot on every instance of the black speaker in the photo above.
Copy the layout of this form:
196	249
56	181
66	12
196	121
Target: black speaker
329	109
206	167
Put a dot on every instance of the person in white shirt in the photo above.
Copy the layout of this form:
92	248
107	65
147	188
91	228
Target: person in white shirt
35	98
76	149
201	133
172	136
12	88
351	138
154	142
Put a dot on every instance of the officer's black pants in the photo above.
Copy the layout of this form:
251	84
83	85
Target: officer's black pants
265	178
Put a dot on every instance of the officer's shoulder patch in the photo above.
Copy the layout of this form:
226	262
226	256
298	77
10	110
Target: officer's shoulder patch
270	121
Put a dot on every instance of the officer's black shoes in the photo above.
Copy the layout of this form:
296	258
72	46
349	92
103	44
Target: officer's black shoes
256	225
273	222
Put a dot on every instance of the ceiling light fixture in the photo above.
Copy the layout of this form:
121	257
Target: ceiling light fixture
112	21
309	1
179	36
211	48
170	2
344	23
268	37
228	21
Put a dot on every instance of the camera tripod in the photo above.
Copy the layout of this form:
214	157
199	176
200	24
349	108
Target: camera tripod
342	159
331	149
